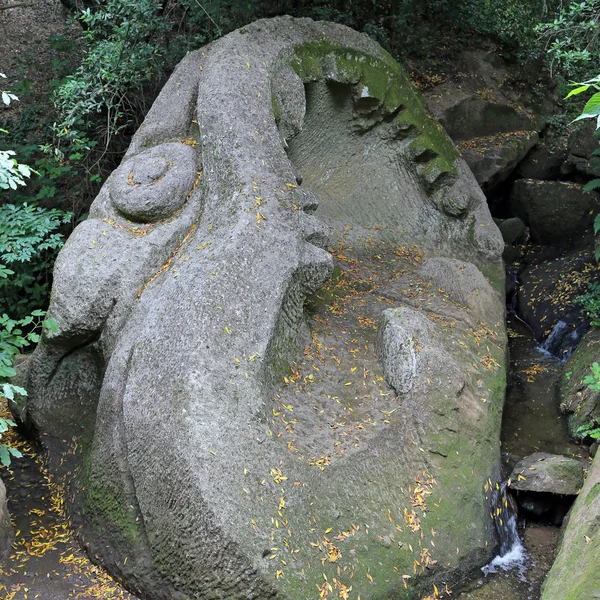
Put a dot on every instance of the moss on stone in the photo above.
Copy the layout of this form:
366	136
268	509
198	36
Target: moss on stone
101	503
577	399
276	107
385	80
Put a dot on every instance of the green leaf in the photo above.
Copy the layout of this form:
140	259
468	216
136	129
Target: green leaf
16	453
578	90
594	184
50	324
4	455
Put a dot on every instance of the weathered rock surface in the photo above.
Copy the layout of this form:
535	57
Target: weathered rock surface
548	291
512	230
493	158
577	400
543	162
230	444
493	124
551	473
583	141
574	574
7	533
555	211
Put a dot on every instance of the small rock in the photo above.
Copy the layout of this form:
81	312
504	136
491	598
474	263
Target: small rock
512	229
552	473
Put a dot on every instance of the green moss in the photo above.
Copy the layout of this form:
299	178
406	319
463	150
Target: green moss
386	81
494	272
276	108
592	494
103	505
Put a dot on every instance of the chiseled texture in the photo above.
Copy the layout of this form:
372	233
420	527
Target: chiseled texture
574	574
179	305
7	533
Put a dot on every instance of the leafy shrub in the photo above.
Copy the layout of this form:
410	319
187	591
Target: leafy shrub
14	336
592	428
11	172
572	37
590	303
103	95
29	242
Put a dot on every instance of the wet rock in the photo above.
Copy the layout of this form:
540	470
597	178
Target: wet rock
549	288
577	400
512	230
7	533
550	473
574	574
543	162
493	158
555	211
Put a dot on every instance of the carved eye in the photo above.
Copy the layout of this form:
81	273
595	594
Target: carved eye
155	183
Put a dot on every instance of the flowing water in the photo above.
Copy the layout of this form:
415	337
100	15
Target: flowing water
531	423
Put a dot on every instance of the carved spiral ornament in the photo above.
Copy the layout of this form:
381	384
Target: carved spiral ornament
155	183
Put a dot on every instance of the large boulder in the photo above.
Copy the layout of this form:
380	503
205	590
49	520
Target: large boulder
574	574
493	158
230	443
485	111
543	162
547	298
546	484
555	211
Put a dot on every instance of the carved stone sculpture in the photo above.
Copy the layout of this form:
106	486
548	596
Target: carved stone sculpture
241	431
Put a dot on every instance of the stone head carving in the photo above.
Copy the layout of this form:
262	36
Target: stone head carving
182	326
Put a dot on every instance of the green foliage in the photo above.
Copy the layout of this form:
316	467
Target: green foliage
591	429
572	37
99	100
29	242
11	172
590	303
591	110
14	336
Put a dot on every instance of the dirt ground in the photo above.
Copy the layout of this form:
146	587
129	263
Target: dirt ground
46	562
25	49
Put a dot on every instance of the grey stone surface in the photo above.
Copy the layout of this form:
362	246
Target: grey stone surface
543	162
552	473
180	302
512	229
583	141
493	159
7	533
574	574
555	211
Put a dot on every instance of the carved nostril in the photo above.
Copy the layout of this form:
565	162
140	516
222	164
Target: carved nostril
315	231
310	202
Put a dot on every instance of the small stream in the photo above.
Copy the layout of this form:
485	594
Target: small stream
531	423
